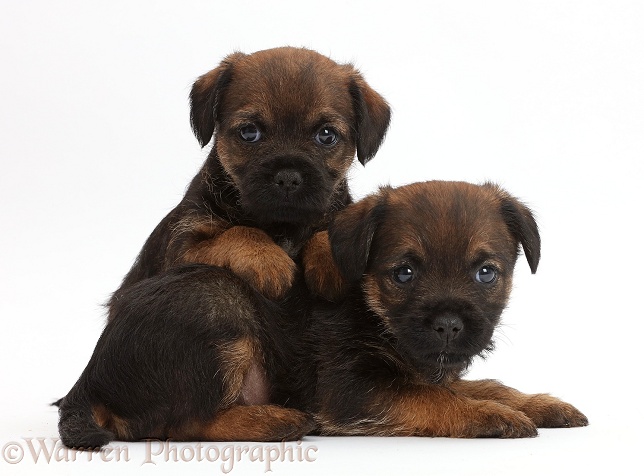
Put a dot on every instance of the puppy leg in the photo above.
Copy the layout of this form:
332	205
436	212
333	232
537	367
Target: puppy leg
322	275
544	410
250	423
252	255
425	410
436	411
245	414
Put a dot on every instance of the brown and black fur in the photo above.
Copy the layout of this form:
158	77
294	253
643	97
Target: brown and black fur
253	205
390	355
203	339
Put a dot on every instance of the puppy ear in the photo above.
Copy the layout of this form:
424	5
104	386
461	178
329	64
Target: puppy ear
351	233
522	225
205	98
372	117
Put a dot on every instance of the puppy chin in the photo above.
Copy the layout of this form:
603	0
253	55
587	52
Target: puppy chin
270	211
267	204
439	367
435	367
439	363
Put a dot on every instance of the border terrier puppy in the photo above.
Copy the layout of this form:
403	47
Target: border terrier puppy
287	123
429	271
199	352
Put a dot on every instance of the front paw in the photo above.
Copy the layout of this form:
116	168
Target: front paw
322	276
550	412
253	256
270	270
494	420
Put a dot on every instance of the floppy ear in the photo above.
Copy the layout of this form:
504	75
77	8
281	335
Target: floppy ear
351	233
205	98
523	227
372	117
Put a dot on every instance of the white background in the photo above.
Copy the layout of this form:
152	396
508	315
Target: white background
544	97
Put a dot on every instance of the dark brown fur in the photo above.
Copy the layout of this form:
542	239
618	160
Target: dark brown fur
194	347
391	354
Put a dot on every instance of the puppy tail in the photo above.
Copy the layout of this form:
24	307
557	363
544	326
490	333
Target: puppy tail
77	426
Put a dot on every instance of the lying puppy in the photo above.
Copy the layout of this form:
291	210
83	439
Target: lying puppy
430	270
288	124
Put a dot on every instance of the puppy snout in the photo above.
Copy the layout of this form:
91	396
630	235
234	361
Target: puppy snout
448	327
288	180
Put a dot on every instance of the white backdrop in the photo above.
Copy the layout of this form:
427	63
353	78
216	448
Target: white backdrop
543	97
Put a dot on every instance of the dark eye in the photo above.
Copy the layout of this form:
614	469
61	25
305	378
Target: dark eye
249	133
403	274
326	136
486	275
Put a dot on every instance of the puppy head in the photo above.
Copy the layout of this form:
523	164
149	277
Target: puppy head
288	124
435	263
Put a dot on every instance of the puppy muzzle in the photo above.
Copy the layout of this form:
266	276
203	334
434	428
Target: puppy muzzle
444	334
286	189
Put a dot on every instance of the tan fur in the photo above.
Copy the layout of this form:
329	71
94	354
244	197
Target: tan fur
108	420
372	297
321	273
252	255
243	375
544	410
249	423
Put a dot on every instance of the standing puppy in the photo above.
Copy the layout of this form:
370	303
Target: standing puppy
287	123
199	352
429	268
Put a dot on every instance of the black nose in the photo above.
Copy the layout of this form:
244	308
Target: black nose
288	180
448	327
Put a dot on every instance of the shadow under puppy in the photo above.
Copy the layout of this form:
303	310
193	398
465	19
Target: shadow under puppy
429	269
197	352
